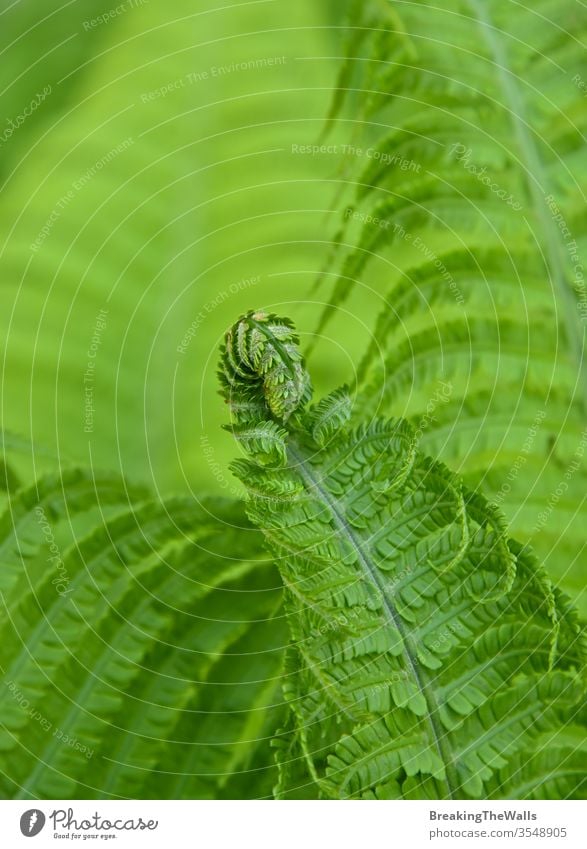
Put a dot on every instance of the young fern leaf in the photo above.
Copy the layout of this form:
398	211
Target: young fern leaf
430	654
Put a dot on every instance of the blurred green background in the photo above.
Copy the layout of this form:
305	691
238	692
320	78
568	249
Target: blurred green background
153	194
157	180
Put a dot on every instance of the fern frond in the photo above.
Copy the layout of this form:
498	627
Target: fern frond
473	159
125	621
428	649
29	523
549	773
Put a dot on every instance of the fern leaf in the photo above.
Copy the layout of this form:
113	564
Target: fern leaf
114	679
476	173
549	773
28	525
429	650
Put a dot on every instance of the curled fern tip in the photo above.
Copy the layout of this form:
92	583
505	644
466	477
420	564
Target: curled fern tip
262	372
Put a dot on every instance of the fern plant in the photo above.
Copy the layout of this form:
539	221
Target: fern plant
430	655
472	162
395	642
140	645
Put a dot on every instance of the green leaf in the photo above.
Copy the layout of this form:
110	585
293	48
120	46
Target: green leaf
145	661
38	51
429	650
468	217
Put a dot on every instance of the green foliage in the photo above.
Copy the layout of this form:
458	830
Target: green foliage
430	656
38	51
119	197
140	651
468	217
143	635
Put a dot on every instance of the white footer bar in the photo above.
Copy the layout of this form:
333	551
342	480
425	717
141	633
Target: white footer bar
294	825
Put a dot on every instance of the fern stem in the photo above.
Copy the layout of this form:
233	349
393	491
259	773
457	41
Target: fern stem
303	468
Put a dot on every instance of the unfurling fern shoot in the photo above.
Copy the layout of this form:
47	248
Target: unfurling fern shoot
430	656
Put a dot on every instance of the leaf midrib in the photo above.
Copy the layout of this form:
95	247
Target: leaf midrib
305	471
